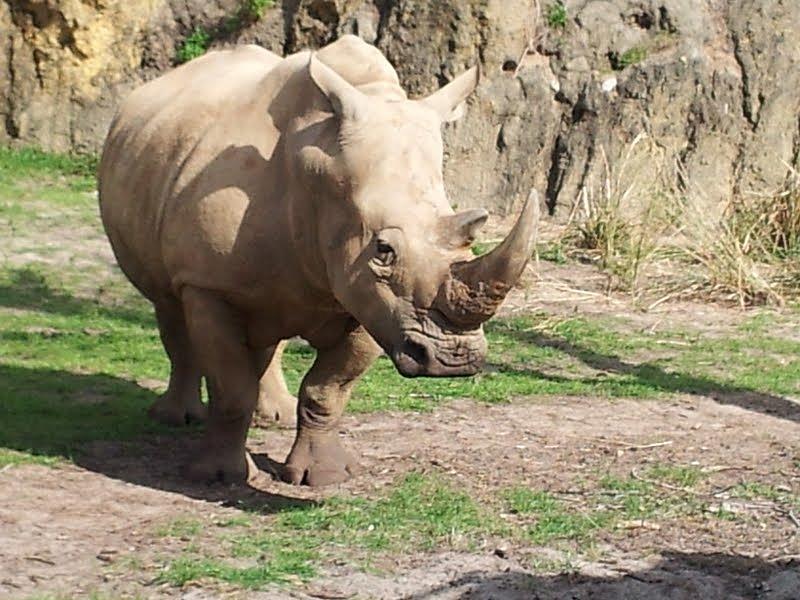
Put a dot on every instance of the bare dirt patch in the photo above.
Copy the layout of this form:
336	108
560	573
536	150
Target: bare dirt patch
94	526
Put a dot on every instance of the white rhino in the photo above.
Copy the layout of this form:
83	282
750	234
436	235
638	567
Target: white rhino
253	198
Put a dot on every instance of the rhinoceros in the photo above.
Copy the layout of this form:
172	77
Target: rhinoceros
253	198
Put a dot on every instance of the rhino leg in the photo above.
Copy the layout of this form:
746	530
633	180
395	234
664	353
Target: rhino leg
217	335
181	403
275	403
318	456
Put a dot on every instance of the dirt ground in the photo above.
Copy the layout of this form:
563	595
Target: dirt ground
70	529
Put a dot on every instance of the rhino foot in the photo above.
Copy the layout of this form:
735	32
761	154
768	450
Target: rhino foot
170	410
215	466
318	459
280	411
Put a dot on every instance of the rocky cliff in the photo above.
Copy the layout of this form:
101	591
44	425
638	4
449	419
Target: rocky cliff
566	87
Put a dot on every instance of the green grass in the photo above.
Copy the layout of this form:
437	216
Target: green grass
180	528
605	504
10	457
752	490
628	58
292	565
556	15
681	476
200	40
195	45
68	368
16	164
552	252
420	513
552	520
255	9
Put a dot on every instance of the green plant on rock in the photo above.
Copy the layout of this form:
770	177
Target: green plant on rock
194	45
248	12
628	58
254	9
556	15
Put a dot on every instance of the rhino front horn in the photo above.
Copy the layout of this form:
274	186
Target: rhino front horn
475	289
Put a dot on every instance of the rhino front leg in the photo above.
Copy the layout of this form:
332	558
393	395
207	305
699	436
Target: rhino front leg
318	456
275	403
229	365
181	403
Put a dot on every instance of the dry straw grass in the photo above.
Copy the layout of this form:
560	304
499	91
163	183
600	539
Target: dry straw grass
619	220
748	255
655	239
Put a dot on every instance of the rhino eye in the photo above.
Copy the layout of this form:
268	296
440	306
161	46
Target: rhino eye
384	252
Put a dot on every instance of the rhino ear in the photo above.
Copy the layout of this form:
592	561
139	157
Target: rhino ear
461	228
347	102
448	102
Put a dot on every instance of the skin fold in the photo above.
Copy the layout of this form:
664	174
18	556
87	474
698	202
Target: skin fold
253	198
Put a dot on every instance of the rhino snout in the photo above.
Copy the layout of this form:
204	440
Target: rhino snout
420	357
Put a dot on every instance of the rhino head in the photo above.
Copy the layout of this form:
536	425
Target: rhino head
396	255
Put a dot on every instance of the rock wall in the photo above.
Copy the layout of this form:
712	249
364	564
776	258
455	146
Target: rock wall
712	82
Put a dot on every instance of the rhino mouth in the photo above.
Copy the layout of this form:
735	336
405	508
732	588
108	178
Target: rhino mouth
431	348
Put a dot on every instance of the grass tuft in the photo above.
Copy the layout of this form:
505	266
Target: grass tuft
551	519
556	15
628	58
180	528
291	566
422	512
747	252
618	222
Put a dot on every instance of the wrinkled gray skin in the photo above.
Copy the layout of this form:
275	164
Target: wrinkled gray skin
253	198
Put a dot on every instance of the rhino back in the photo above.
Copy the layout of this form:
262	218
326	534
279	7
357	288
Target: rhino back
159	139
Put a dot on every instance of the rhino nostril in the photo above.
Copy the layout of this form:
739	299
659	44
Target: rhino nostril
419	353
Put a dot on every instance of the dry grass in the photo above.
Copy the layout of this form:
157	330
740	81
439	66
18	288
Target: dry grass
749	255
619	222
657	240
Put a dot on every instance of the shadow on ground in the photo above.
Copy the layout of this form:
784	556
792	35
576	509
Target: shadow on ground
26	288
100	423
656	377
675	576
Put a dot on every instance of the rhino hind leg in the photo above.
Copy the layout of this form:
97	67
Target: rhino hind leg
276	405
181	403
318	456
218	339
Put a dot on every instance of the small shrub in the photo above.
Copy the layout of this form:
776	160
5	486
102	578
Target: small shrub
248	12
627	58
556	15
194	45
254	9
552	252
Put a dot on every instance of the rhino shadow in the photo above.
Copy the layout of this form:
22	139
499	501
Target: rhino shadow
655	376
711	576
27	288
100	423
